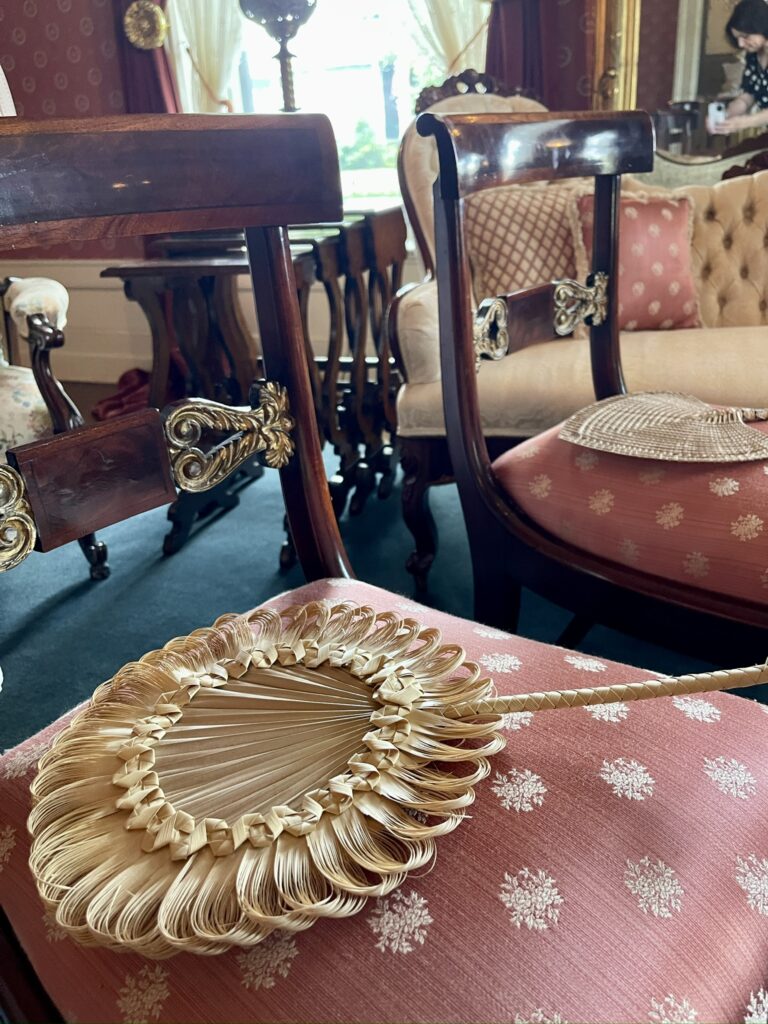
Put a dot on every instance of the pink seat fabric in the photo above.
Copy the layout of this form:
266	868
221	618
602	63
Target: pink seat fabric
703	524
613	867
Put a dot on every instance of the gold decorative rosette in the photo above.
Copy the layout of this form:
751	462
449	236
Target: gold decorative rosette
256	775
145	25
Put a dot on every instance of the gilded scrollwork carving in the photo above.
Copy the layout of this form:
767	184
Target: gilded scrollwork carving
489	330
237	434
17	524
578	303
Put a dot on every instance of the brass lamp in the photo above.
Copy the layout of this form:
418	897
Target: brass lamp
282	19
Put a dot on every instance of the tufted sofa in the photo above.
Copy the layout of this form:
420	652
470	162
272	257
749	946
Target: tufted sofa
724	361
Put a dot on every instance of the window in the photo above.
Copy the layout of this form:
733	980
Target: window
359	64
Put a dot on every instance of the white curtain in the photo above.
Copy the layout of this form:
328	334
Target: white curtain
205	41
7	109
453	32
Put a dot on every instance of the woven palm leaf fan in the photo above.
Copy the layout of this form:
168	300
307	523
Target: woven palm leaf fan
270	771
668	426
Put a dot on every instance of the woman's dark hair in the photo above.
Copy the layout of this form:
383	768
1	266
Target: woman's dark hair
750	17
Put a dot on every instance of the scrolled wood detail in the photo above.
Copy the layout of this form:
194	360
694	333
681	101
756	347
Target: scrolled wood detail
17	525
490	336
580	304
263	431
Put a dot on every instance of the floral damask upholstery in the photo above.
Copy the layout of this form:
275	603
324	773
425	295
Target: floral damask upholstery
702	523
614	867
24	416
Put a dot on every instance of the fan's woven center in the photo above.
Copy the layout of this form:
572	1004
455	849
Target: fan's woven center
263	740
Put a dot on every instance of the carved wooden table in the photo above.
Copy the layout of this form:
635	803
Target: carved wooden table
189	297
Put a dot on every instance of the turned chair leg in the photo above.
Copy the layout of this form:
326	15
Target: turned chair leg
416	512
96	553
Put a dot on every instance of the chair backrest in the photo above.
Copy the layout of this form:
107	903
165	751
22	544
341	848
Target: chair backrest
65	180
417	166
485	151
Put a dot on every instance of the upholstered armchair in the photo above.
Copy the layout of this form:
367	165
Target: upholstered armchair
32	401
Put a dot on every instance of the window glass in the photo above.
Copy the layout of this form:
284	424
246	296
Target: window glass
359	64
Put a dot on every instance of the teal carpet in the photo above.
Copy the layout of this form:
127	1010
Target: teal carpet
61	634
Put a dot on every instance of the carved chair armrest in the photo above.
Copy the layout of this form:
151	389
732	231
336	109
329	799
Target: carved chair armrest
509	323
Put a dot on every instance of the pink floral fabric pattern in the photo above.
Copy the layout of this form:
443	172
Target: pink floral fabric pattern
704	524
614	867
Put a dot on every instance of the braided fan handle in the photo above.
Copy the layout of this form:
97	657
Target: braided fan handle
701	682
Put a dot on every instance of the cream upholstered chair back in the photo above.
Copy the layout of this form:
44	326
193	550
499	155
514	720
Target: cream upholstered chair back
417	162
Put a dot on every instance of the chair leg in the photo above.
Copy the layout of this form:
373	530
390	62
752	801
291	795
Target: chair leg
497	601
575	631
96	553
416	512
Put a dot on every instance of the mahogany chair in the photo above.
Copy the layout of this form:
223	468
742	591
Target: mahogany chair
661	878
573	525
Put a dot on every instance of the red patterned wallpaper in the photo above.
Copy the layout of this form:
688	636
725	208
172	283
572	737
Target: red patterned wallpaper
60	59
656	64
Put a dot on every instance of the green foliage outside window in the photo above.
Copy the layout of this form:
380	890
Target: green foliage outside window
365	152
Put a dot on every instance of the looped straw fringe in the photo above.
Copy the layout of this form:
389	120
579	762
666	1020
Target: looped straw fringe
256	775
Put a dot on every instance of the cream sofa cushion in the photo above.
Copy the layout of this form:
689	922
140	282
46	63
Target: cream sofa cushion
539	386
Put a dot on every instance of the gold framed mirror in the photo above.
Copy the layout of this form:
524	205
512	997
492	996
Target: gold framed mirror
617	47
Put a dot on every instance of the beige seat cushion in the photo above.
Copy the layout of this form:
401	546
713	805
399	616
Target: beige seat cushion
532	390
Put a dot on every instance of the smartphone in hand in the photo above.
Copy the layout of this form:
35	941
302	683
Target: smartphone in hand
716	113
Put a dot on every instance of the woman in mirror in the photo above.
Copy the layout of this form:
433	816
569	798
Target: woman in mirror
747	30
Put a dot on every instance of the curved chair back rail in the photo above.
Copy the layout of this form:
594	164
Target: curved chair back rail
479	151
71	179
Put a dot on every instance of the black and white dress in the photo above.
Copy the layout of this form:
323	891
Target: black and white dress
755	81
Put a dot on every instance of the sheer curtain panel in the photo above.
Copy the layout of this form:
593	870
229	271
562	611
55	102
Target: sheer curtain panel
205	45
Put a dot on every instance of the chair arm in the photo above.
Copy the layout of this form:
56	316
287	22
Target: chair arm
413	332
38	306
25	297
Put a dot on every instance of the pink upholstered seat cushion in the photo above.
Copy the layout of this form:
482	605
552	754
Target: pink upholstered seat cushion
703	524
614	867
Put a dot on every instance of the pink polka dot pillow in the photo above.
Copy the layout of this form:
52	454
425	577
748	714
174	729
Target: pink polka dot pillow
656	285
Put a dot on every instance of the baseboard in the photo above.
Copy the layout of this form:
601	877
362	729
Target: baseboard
106	334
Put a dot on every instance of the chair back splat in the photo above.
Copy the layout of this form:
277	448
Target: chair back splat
105	177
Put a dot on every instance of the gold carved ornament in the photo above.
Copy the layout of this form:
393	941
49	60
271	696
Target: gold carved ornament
17	526
490	336
145	25
580	304
263	431
239	434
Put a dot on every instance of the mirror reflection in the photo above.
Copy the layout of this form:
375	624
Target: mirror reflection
702	75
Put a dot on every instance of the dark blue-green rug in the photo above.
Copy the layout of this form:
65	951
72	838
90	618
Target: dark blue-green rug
62	634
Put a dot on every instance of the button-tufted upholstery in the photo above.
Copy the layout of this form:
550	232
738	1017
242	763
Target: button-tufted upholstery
730	250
